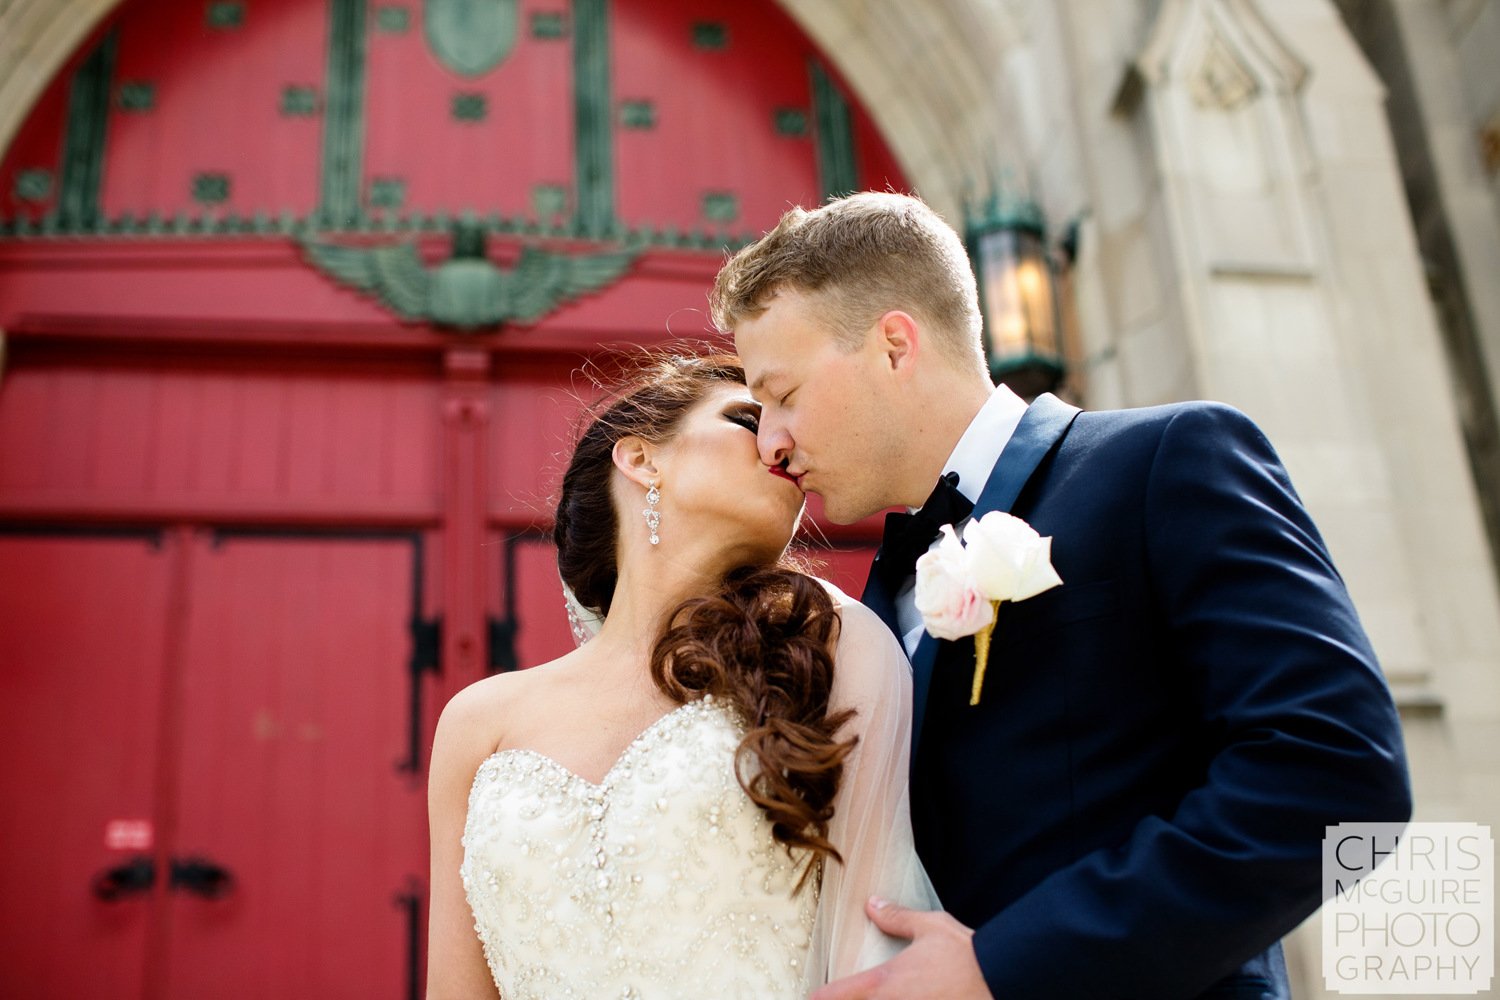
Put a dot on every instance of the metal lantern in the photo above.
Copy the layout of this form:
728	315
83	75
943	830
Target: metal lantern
1022	328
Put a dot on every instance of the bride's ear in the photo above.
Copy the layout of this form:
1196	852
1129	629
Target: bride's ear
636	457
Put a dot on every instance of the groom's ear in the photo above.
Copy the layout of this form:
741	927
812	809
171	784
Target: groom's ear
636	457
899	338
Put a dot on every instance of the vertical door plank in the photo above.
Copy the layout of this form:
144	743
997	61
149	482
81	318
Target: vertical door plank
82	632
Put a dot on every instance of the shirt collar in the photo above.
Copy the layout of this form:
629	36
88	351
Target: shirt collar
976	453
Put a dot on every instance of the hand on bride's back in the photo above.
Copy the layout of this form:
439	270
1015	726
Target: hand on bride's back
939	963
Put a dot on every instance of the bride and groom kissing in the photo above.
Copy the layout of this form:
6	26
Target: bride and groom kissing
747	784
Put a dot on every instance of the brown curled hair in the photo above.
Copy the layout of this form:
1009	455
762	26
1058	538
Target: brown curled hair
763	643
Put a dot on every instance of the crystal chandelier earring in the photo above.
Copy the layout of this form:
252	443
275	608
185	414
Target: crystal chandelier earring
651	514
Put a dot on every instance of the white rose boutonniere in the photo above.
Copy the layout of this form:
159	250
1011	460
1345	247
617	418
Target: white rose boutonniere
960	586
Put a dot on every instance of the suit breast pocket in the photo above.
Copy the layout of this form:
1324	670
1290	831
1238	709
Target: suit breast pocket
1068	604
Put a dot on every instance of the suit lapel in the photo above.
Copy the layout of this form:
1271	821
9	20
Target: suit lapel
1042	425
880	601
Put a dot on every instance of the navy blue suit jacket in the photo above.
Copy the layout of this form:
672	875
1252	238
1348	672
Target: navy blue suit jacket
1136	807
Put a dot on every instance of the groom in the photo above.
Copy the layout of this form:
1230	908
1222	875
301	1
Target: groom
1135	807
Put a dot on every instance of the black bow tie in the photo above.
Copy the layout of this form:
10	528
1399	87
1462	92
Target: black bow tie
907	536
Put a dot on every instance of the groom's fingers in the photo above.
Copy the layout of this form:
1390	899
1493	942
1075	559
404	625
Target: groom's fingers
856	987
897	921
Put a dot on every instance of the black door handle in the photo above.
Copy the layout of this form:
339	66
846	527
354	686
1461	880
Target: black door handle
135	876
209	880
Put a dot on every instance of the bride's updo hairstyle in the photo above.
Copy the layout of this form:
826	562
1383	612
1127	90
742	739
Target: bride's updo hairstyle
763	643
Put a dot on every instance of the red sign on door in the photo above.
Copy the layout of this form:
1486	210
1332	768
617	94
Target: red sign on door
128	835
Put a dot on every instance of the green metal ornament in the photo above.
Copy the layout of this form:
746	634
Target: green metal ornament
467	291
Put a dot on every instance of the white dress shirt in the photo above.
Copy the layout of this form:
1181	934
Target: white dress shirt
973	459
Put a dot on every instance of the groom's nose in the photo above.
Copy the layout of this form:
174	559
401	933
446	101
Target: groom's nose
774	443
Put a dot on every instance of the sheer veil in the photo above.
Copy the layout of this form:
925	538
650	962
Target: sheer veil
871	825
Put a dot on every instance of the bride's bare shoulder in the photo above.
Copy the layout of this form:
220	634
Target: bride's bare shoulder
475	718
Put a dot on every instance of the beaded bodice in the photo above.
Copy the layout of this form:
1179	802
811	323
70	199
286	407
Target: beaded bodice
661	881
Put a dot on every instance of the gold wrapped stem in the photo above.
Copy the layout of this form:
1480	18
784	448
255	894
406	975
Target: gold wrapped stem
982	653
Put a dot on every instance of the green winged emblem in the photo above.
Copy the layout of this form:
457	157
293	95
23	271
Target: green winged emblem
467	291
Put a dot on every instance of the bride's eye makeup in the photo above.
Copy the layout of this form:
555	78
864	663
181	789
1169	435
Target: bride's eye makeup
746	416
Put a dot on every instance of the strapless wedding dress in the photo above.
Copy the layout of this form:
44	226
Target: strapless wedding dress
662	881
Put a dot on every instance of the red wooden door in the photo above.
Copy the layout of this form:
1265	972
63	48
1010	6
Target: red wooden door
281	759
177	358
293	779
83	641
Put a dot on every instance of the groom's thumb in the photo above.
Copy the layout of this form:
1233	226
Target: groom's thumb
897	921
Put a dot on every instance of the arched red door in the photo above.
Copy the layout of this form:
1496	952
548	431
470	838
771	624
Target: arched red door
287	389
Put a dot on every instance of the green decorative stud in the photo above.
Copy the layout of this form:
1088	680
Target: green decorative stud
720	206
548	200
299	101
549	25
210	188
34	185
469	107
387	192
392	20
791	122
712	36
136	95
638	114
226	15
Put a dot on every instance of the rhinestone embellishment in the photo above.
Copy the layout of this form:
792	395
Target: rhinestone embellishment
652	515
566	877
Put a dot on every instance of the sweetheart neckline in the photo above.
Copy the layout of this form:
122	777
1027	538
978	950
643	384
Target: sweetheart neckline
707	701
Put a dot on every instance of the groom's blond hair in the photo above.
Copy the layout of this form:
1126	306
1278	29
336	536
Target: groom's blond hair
861	256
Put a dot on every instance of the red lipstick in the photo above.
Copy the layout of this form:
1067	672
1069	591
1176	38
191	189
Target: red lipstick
778	470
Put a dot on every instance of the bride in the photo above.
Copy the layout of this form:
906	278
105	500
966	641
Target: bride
697	801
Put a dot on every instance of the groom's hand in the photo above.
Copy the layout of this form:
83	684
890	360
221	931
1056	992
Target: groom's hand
939	963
